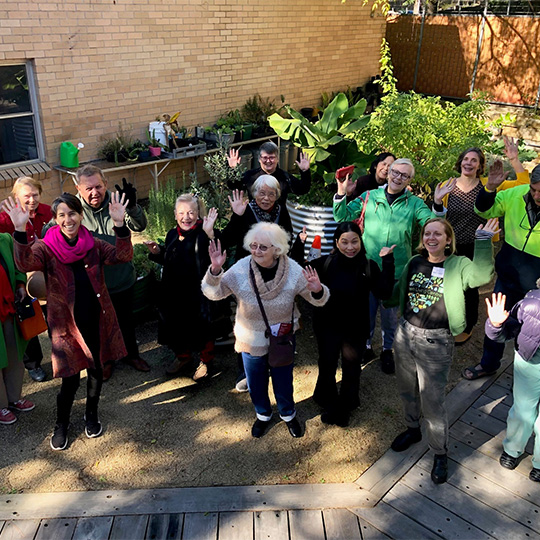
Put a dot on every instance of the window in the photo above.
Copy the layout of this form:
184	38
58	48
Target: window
20	134
468	7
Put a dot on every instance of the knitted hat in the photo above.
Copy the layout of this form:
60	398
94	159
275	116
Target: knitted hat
535	175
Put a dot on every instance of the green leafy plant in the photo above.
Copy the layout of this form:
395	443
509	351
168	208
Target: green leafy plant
161	210
329	141
143	265
119	148
152	141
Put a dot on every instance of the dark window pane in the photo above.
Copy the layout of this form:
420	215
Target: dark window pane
14	94
17	140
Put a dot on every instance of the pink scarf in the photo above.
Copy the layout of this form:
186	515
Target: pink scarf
65	253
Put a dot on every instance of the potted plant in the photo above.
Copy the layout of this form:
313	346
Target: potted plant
154	146
119	148
147	272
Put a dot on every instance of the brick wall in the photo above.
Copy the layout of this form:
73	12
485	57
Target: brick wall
102	62
509	66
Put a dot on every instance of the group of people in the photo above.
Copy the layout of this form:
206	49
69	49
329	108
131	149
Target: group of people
88	281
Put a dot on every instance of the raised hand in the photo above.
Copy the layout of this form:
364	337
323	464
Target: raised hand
443	189
386	251
496	312
233	158
491	226
346	186
117	208
17	212
304	161
152	247
303	235
313	281
209	221
129	191
217	257
496	175
511	150
237	202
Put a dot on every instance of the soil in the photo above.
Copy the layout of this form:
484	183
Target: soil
172	432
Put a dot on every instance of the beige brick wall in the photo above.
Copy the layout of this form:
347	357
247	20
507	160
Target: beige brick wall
102	62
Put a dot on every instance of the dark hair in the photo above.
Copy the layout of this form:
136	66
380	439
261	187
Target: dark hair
69	200
377	160
345	227
269	147
481	157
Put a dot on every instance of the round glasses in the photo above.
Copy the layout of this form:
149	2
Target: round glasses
262	248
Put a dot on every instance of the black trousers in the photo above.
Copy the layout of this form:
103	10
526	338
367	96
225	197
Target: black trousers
123	305
472	297
331	343
70	385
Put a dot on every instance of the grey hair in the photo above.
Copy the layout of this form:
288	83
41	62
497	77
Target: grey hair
191	198
535	176
269	147
266	180
90	170
403	161
269	232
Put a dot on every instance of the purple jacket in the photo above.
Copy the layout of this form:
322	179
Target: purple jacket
522	324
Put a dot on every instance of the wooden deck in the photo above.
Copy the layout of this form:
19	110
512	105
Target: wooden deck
395	498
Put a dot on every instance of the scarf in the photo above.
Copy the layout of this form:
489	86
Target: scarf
262	215
182	234
64	252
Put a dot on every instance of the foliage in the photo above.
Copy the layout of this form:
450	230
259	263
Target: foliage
215	193
161	210
143	265
329	142
256	110
121	147
383	5
153	142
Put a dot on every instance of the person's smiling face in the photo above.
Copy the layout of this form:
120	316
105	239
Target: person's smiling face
349	244
268	162
262	252
435	240
399	178
381	171
470	165
68	220
186	215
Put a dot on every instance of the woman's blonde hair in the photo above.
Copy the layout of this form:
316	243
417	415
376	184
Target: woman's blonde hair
191	198
270	233
26	181
448	230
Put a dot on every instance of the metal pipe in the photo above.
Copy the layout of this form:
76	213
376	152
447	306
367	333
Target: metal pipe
419	45
479	48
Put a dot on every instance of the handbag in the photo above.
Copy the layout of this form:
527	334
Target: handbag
30	319
281	347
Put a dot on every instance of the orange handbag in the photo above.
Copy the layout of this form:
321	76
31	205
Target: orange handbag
30	318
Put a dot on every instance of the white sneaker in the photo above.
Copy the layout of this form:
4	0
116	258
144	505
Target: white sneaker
242	386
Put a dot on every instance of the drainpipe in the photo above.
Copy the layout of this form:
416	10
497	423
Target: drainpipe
419	45
479	48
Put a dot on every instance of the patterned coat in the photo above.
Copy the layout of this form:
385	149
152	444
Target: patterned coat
70	353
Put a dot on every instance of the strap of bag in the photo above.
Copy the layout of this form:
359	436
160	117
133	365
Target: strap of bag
265	318
360	220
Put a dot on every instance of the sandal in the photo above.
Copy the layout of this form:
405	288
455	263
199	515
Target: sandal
475	373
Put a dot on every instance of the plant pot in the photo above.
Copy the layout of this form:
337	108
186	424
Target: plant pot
226	138
247	132
144	155
318	220
154	150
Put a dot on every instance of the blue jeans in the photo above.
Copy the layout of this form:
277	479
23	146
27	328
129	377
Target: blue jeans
389	322
523	418
258	373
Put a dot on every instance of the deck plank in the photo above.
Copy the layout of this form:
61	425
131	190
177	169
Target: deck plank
236	526
493	407
20	529
200	525
165	527
369	532
306	524
340	524
59	529
96	528
501	500
515	481
271	525
393	523
484	422
132	527
498	392
431	515
487	518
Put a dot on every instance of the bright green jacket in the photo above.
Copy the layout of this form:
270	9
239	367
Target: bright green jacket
517	229
385	225
14	275
460	274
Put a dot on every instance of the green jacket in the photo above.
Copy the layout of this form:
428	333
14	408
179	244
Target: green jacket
460	274
517	228
14	275
118	277
385	225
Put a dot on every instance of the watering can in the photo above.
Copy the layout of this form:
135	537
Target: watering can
69	154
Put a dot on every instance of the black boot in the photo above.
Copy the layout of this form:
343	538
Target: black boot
439	473
406	439
93	425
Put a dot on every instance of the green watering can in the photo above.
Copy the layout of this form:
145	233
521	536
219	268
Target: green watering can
69	154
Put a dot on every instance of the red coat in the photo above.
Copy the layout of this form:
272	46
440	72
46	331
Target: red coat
70	354
34	225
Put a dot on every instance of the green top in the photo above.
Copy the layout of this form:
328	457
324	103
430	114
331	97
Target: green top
460	274
386	225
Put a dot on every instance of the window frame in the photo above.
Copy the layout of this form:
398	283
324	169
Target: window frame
34	114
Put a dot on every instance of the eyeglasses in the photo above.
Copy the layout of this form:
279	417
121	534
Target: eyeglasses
268	158
398	174
254	247
262	194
